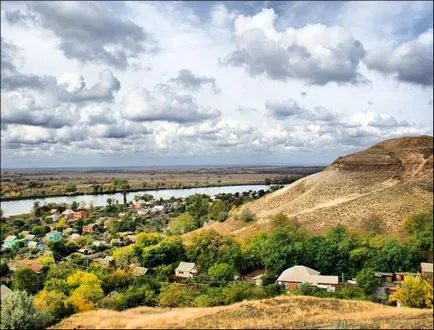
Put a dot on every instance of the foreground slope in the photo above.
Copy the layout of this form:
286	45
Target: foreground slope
391	180
279	312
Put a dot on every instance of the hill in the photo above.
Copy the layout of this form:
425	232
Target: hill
279	312
390	180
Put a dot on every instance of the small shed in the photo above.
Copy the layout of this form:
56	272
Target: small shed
186	269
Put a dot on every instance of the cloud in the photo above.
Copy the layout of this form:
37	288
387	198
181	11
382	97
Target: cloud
88	31
387	121
188	80
410	62
22	108
164	104
316	54
281	110
103	90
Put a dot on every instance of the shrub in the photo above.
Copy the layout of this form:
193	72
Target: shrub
366	280
247	215
18	312
222	272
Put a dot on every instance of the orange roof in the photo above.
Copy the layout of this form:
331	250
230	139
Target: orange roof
36	267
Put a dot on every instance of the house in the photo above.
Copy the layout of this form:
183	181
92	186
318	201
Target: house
292	278
79	215
35	245
159	209
73	237
132	238
53	211
89	228
139	271
141	204
68	213
258	279
36	267
10	241
426	270
54	235
105	261
143	211
186	269
124	234
29	237
55	217
5	292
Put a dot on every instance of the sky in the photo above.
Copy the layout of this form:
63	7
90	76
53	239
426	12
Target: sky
203	83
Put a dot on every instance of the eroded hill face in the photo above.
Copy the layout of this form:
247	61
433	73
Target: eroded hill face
391	180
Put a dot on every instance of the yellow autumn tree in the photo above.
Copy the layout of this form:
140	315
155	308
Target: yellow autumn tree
124	256
414	292
85	297
62	224
53	302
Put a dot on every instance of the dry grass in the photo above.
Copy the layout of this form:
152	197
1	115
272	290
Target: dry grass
280	312
390	180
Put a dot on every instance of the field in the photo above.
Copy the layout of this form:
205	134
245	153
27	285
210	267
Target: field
280	312
24	183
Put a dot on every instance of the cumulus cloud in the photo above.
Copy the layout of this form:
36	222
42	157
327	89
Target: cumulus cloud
315	53
103	90
410	62
88	31
164	104
188	80
387	120
290	108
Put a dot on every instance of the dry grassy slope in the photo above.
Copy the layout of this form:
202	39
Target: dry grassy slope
280	312
391	179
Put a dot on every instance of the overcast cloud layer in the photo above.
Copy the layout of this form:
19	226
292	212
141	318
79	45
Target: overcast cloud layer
175	83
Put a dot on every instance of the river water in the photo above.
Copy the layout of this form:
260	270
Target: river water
25	205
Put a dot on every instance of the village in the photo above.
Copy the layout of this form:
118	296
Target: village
88	238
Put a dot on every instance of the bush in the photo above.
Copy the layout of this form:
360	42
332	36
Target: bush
25	279
174	295
239	291
222	272
18	312
366	280
247	216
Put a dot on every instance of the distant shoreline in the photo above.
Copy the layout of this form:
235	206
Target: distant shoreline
132	190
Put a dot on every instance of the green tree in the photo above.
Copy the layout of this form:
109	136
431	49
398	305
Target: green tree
222	272
25	279
182	224
4	268
198	206
366	280
36	209
175	295
420	230
40	230
18	312
75	205
62	248
164	253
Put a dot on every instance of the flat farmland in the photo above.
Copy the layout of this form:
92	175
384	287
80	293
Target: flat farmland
27	183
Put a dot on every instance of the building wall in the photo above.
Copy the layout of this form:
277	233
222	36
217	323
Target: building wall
183	274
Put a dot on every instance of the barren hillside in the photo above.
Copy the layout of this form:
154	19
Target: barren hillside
391	180
280	312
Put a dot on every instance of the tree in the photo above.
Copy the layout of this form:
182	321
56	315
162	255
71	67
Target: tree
366	280
182	224
18	312
222	272
85	297
420	230
36	209
40	230
174	295
75	205
4	268
61	248
62	224
124	256
25	279
53	302
198	206
148	239
70	188
414	292
164	253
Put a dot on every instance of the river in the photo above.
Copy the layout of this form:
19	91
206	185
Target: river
25	205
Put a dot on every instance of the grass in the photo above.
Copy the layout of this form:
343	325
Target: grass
290	312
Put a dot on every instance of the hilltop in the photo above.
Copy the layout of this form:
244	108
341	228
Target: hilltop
279	312
389	180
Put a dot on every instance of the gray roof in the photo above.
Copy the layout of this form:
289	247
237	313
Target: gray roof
5	291
186	267
426	267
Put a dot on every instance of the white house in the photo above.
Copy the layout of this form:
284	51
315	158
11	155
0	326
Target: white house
292	278
186	269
